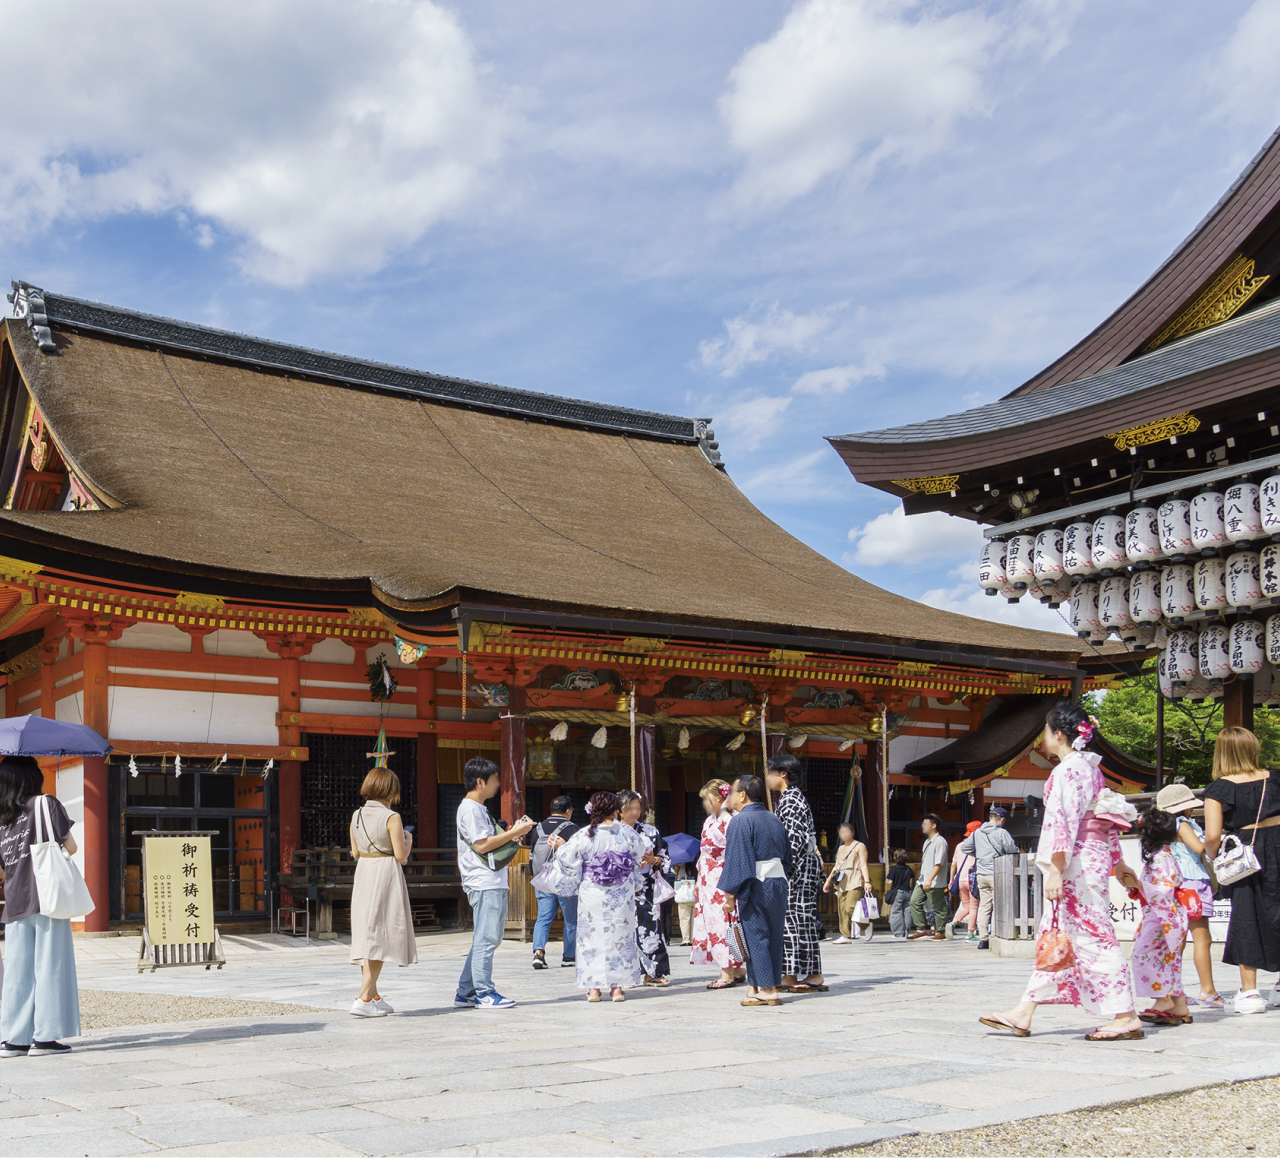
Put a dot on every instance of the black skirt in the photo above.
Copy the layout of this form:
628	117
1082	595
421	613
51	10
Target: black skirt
1253	935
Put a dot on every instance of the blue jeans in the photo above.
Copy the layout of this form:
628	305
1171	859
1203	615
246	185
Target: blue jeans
547	905
489	916
39	1001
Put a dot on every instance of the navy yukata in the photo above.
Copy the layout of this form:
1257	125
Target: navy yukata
756	834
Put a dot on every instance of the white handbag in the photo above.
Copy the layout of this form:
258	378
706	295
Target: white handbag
1237	860
59	885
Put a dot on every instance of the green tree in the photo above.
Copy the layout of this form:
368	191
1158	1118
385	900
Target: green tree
1127	717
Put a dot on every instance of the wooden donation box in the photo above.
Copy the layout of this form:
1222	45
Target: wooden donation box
177	897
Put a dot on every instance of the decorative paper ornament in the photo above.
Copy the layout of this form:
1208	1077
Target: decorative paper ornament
1269	496
382	684
1273	639
1057	592
1108	544
845	745
1047	559
133	767
1077	549
266	768
797	741
177	766
1246	640
683	741
736	743
1174	518
560	731
1211	584
1241	512
1019	563
1084	609
1177	591
1207	531
1269	572
1215	653
1144	597
600	738
1243	588
991	572
1113	603
1142	536
1182	656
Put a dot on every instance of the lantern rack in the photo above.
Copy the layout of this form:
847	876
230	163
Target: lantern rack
1186	482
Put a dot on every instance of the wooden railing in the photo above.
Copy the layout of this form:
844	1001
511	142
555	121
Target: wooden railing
1018	898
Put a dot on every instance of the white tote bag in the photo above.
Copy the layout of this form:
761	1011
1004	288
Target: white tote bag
59	885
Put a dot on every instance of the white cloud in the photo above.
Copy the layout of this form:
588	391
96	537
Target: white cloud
1245	69
752	420
895	537
324	135
967	599
837	379
755	337
804	478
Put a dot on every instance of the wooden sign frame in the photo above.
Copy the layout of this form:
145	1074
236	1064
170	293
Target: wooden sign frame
153	957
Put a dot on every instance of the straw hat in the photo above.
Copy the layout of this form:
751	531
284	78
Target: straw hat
1176	798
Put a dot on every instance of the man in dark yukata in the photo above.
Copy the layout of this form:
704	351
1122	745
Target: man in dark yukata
754	879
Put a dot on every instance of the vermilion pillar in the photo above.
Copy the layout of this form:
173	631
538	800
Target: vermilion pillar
428	793
97	852
290	649
873	801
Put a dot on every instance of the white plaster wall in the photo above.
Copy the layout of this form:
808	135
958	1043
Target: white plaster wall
153	637
192	717
331	651
243	644
71	709
70	791
907	748
365	707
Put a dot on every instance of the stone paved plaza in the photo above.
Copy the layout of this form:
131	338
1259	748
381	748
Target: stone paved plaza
894	1048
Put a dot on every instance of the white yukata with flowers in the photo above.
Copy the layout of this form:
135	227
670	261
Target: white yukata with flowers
1099	981
604	870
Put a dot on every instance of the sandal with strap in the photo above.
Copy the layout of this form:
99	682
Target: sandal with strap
724	984
996	1022
750	1002
1126	1035
1155	1016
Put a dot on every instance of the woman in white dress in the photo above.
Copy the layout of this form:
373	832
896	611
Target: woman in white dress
604	864
381	921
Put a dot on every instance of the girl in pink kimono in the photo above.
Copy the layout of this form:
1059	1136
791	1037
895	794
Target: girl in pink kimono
1079	847
1157	947
714	939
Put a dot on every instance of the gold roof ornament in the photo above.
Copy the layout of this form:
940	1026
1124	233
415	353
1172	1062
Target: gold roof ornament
1157	430
933	484
1221	299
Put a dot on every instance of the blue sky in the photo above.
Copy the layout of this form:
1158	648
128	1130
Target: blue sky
802	219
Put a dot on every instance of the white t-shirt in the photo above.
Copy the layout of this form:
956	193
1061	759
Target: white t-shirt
474	825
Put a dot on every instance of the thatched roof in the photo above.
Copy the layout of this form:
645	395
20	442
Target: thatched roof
227	471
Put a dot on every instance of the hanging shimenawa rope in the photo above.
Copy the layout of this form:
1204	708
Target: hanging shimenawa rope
631	708
764	749
884	777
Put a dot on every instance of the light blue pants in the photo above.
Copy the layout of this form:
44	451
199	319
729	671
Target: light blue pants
547	905
489	914
39	1000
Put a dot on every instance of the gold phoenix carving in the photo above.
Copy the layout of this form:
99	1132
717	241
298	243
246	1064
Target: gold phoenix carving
1157	430
1234	285
935	484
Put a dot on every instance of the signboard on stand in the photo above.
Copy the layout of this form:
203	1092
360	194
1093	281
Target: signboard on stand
177	883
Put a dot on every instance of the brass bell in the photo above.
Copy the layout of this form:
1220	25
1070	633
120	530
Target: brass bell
748	717
873	725
624	703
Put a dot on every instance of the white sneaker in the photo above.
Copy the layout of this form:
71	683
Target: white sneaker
1250	1001
361	1008
842	941
385	1006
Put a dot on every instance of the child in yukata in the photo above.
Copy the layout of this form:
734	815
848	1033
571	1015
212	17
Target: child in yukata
1162	934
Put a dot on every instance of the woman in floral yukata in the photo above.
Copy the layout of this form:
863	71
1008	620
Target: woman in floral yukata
604	864
1162	933
1079	847
714	939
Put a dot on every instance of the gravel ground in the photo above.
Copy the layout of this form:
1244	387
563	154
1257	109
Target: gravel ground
1243	1118
104	1009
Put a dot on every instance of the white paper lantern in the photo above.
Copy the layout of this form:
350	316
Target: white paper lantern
1162	675
1057	592
1215	653
1047	561
1142	536
1077	549
1035	589
991	573
1019	560
1246	640
1010	592
1144	634
1113	603
1181	654
1269	572
1108	543
1199	689
1241	512
1144	597
1263	680
1273	639
1084	609
1177	591
1174	518
1207	531
1243	589
1269	495
1211	584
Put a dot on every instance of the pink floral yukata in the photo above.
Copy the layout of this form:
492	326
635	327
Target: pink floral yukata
1157	947
713	939
1099	981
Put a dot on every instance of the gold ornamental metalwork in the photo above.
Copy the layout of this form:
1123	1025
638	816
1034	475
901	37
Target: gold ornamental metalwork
1221	299
934	484
1158	430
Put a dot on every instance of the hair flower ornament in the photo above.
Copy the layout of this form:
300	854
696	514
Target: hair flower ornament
1084	733
724	791
588	807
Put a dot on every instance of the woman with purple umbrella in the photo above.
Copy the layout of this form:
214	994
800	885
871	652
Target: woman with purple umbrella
604	864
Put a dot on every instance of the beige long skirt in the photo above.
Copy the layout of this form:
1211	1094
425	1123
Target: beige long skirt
381	923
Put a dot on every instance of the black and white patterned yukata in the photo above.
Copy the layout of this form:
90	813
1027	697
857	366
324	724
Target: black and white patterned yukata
801	956
649	935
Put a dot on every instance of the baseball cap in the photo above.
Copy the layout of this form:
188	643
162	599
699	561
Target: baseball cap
1176	798
1003	813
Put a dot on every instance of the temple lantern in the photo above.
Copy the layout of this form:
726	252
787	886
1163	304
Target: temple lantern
1113	603
1077	549
1036	589
1144	634
1108	544
1162	675
1144	597
1177	592
1245	641
1057	592
1207	531
1215	653
1269	497
1182	656
1142	536
1269	573
1266	687
1174	518
1010	592
1047	560
1273	639
1211	584
1199	689
991	573
1019	561
1084	609
1243	588
1241	512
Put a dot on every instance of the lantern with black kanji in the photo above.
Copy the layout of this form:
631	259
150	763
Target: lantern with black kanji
1177	591
1142	536
1108	544
1245	644
1243	588
1144	597
1174	519
1207	531
991	573
1269	498
1215	653
1211	584
1241	512
1084	609
1047	561
1077	549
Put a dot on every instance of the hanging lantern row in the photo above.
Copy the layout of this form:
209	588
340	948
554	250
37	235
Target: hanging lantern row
1197	661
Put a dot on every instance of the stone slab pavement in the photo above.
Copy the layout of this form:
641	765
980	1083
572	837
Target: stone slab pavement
893	1048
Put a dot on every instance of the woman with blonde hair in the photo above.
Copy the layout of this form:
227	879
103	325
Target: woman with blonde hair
381	921
715	940
1244	803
